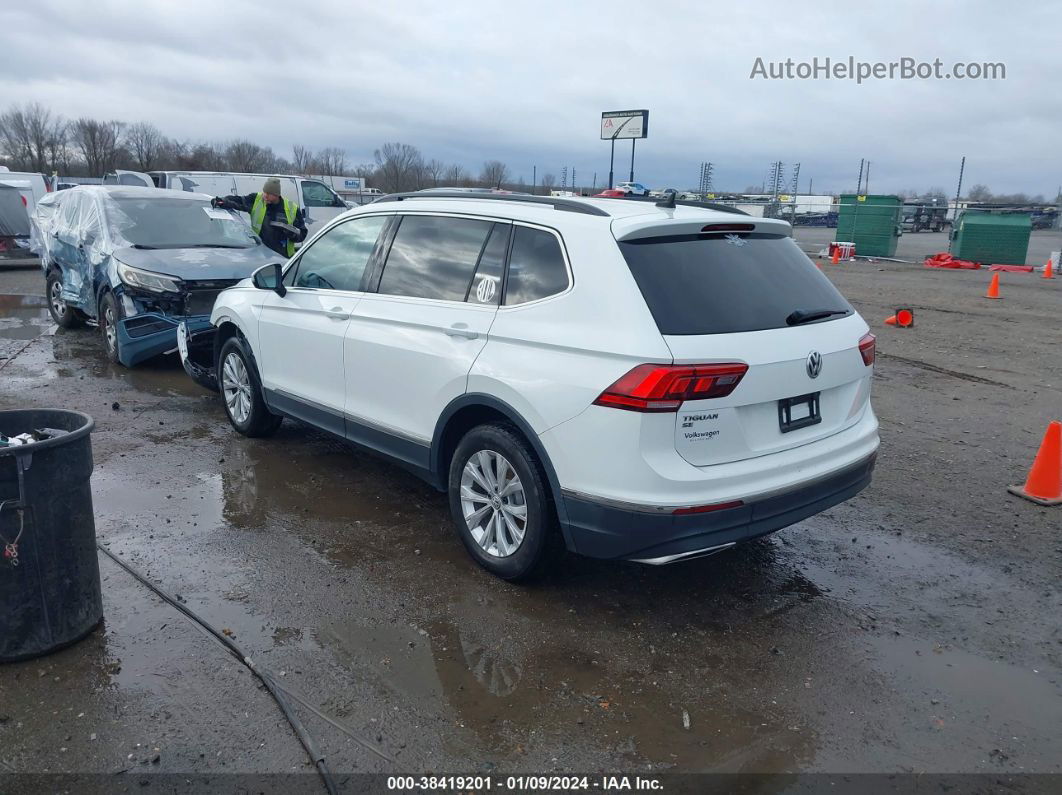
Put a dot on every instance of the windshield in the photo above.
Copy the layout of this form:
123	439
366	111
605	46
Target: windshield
719	284
176	223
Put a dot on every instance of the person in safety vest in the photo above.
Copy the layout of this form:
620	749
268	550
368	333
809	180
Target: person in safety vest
279	222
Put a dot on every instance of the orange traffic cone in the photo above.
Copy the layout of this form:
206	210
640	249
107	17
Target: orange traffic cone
904	318
993	287
1044	484
836	258
1049	271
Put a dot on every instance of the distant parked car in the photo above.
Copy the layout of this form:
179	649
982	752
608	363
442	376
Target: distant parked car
139	261
635	188
31	186
610	193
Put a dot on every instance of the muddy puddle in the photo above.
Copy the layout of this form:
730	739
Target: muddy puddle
775	656
716	664
24	317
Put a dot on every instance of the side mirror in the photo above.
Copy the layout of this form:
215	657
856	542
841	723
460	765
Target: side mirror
270	277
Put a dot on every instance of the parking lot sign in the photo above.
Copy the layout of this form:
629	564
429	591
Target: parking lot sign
624	124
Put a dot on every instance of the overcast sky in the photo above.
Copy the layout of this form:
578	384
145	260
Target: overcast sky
526	83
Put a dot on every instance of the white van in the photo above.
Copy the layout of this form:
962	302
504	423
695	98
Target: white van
318	201
30	186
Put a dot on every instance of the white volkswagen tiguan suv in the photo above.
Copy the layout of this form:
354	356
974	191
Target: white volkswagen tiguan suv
629	379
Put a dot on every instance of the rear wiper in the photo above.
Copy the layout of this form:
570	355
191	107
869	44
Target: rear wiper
142	247
800	316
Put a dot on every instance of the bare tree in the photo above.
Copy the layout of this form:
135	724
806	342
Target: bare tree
99	143
433	169
331	161
200	157
548	181
979	193
31	138
494	173
145	143
455	176
301	157
246	156
59	146
366	171
399	167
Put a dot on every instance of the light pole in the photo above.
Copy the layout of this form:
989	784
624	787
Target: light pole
613	158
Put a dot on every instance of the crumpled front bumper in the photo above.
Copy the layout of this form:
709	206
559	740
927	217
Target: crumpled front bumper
143	336
195	343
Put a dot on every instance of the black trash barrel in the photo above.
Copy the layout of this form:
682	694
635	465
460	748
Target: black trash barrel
51	598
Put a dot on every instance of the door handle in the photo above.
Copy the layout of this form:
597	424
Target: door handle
462	330
337	313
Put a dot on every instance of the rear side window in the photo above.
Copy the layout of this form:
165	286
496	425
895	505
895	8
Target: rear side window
434	257
717	284
536	267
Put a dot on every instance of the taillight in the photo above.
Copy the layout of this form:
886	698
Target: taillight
866	349
661	388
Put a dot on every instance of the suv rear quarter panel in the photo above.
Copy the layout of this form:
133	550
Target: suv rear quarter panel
550	359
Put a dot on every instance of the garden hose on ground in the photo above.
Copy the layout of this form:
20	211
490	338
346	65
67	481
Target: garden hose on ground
266	678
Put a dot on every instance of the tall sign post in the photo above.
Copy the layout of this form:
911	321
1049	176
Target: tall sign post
633	124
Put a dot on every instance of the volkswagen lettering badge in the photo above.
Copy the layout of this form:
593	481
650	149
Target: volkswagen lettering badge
814	364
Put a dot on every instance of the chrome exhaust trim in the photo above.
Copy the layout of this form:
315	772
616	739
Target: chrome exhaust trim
697	553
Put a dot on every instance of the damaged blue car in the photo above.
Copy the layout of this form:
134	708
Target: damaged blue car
139	262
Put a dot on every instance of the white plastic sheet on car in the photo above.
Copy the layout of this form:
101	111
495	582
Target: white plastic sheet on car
88	225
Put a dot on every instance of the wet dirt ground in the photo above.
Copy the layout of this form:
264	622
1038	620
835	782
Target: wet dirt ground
915	628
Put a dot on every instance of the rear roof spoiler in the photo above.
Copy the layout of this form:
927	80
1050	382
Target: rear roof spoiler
638	227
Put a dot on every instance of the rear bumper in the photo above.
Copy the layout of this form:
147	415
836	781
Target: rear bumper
601	530
140	337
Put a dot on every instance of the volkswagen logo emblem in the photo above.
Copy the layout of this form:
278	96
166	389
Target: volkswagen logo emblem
814	364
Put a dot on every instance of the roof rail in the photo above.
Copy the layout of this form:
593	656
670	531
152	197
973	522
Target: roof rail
723	208
557	202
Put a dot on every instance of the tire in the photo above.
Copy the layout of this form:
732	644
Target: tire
65	316
107	320
482	450
241	391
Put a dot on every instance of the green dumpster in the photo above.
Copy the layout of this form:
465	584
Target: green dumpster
992	238
872	222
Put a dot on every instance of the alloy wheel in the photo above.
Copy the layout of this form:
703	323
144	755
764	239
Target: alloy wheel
110	334
236	387
55	293
493	503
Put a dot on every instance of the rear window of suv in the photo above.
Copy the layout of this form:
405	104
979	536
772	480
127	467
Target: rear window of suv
718	284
